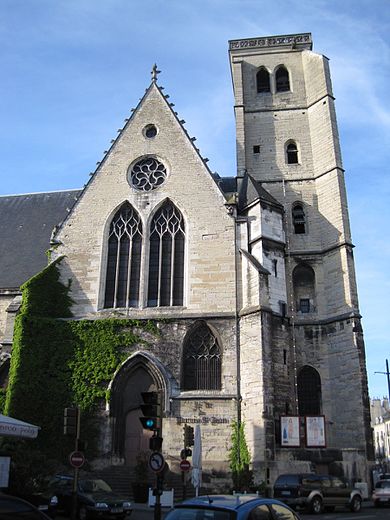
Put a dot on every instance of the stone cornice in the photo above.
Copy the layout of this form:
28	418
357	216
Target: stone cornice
292	41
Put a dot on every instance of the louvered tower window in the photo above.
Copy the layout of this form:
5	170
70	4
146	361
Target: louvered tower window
262	80
309	391
282	79
166	257
201	360
299	219
124	259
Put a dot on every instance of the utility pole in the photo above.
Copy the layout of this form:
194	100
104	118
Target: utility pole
387	373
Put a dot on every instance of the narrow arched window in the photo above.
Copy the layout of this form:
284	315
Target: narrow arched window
282	79
299	219
124	259
292	153
262	80
309	391
304	289
166	257
201	360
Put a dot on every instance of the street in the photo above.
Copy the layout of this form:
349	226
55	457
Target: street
368	512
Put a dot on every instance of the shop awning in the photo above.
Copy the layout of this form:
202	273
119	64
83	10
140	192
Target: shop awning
15	428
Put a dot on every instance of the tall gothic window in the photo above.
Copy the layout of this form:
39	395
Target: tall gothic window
309	391
166	257
201	360
124	259
262	80
282	79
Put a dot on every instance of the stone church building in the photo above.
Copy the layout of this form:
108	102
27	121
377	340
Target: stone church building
249	279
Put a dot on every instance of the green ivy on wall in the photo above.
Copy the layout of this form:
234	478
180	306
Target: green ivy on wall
239	459
58	362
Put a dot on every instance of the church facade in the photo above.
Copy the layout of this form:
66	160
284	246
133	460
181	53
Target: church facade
248	280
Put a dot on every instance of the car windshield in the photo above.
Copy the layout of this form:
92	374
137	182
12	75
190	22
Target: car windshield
200	514
91	486
383	484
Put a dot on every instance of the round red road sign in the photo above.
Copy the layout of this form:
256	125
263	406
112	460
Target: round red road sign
76	459
185	465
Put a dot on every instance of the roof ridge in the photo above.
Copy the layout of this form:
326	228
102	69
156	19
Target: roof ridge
39	192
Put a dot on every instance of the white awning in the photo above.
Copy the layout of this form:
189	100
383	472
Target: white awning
15	428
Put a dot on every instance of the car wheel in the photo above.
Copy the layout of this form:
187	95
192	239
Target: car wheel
356	504
83	514
316	505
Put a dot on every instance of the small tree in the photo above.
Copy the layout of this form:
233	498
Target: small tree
239	459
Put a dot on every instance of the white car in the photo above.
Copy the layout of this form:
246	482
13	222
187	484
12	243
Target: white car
381	493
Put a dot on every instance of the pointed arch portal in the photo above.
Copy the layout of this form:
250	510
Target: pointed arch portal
138	374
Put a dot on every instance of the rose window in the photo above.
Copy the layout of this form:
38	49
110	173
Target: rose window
148	174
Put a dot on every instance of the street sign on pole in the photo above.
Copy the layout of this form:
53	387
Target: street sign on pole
185	465
76	459
156	462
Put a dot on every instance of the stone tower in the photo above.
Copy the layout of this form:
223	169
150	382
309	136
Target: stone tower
287	140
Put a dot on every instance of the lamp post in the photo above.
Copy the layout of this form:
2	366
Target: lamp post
387	373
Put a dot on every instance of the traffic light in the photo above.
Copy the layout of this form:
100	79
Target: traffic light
71	417
188	435
155	443
151	410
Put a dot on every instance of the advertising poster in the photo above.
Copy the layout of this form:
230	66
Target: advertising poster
290	431
315	432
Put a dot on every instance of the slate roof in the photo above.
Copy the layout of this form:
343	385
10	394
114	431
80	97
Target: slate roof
26	224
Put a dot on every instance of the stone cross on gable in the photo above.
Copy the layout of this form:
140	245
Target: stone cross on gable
155	72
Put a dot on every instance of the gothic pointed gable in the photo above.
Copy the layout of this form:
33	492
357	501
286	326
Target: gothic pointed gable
153	159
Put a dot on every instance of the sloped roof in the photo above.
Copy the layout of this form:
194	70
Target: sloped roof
251	190
26	225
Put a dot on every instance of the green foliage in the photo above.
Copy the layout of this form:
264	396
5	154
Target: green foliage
3	394
59	362
239	459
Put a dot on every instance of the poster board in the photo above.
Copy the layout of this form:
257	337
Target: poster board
289	431
4	471
315	431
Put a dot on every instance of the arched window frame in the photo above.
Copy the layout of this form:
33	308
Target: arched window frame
198	374
263	87
304	295
299	218
281	84
125	284
292	152
309	388
159	301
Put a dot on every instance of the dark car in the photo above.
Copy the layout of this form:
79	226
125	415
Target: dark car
231	507
316	492
12	508
45	501
95	498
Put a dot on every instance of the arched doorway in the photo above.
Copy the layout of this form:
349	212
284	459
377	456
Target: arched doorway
136	376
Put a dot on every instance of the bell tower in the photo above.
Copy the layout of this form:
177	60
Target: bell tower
287	140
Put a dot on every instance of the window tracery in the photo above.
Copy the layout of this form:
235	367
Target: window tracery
166	257
148	174
202	360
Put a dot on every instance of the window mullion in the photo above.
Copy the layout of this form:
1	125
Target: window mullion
129	270
172	269
159	272
118	250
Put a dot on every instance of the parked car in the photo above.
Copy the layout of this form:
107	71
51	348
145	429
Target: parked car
381	493
231	507
95	498
12	508
317	492
44	501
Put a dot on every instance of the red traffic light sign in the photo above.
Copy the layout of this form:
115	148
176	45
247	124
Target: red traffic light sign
76	459
185	465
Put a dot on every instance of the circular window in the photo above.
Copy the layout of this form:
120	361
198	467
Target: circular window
150	131
147	174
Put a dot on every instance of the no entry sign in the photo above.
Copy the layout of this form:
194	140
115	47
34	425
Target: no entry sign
76	459
185	465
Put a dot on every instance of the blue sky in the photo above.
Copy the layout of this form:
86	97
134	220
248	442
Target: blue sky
72	70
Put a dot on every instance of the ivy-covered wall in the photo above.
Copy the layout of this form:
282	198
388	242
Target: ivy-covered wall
58	362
